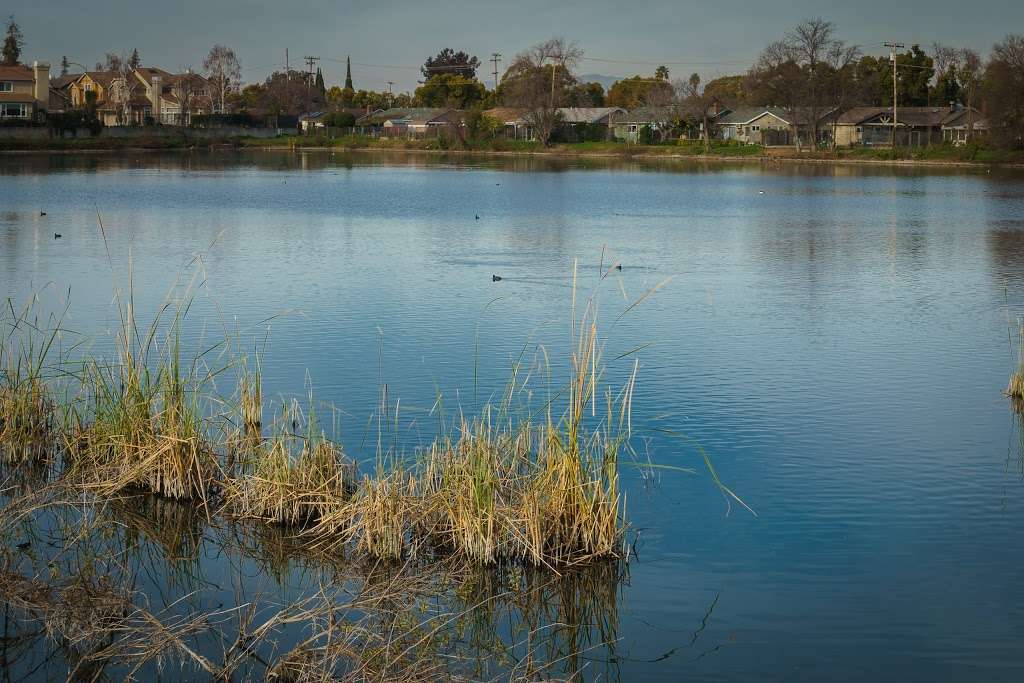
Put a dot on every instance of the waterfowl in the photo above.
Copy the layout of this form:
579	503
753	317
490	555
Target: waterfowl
495	278
42	213
57	235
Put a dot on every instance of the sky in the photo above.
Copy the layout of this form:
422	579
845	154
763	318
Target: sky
389	40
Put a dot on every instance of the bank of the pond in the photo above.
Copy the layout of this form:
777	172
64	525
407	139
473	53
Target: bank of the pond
938	156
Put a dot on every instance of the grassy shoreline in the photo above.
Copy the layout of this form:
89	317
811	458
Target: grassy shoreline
937	156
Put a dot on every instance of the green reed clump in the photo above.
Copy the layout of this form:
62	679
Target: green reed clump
142	427
250	390
27	407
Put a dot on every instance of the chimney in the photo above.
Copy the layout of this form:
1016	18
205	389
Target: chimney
155	90
41	73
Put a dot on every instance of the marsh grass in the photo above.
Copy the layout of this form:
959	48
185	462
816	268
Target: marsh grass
27	406
139	422
507	486
515	484
1015	389
289	478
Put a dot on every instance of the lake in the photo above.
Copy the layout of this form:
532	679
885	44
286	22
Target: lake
835	338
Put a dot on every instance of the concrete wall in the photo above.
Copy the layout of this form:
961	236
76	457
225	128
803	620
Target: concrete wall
26	133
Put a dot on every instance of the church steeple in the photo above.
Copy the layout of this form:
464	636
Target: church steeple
348	73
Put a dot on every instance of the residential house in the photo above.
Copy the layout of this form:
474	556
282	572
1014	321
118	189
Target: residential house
767	126
145	95
662	122
60	92
914	127
317	120
969	122
175	98
574	122
513	122
803	130
410	121
24	90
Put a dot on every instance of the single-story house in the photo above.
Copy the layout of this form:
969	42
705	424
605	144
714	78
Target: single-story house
317	120
312	121
758	126
574	120
24	90
915	126
409	121
661	121
958	127
514	123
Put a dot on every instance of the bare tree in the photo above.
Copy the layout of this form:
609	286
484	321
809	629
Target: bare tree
944	57
805	71
969	71
537	80
699	105
123	88
187	89
223	71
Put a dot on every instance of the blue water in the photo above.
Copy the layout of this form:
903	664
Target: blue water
835	338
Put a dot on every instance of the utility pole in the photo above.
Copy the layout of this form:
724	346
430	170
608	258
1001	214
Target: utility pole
311	61
287	64
390	95
892	56
495	58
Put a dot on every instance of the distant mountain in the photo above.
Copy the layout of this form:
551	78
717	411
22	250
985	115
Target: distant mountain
605	81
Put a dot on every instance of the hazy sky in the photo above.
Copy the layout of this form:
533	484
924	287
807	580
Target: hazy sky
715	38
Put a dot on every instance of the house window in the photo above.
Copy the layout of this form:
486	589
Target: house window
6	86
755	128
8	110
632	128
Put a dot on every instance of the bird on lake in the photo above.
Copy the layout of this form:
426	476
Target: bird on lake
477	216
57	235
495	278
618	266
760	191
42	213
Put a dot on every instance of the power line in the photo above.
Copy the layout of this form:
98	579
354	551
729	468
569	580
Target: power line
892	55
495	58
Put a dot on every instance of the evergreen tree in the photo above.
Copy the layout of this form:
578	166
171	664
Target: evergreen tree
320	86
134	62
64	65
348	73
13	42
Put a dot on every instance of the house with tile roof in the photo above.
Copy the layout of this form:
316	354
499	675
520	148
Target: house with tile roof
143	95
24	90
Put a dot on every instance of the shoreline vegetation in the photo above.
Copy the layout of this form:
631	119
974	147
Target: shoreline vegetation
410	557
537	487
974	155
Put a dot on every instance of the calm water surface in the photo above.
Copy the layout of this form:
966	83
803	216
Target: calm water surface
834	337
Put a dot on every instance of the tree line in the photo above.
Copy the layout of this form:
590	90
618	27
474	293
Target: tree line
810	69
